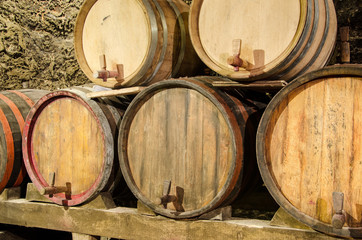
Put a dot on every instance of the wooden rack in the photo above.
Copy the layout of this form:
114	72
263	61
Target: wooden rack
108	221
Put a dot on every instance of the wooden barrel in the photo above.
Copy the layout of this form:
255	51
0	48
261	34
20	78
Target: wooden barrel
252	40
148	37
309	149
14	107
184	138
68	144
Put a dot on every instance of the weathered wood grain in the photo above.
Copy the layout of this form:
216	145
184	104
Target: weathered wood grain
187	132
65	138
309	146
72	137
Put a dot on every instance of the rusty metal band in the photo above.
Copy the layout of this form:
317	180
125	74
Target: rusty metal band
181	23
310	38
321	45
164	45
153	43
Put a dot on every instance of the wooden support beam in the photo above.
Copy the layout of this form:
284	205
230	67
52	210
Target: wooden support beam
283	219
143	209
270	85
222	214
10	193
102	201
79	236
111	93
32	194
126	223
9	236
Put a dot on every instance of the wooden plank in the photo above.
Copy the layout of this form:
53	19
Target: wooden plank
111	93
143	209
125	223
257	85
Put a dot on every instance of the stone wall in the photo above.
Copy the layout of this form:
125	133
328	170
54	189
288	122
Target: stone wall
36	42
349	13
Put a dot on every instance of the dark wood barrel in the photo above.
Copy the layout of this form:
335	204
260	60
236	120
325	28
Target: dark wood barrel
309	149
184	138
14	107
252	40
68	142
148	37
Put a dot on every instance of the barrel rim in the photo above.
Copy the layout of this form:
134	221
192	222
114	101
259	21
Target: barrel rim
28	156
346	70
211	94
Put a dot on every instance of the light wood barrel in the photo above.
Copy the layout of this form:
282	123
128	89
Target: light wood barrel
148	37
309	146
14	107
199	138
275	38
70	138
